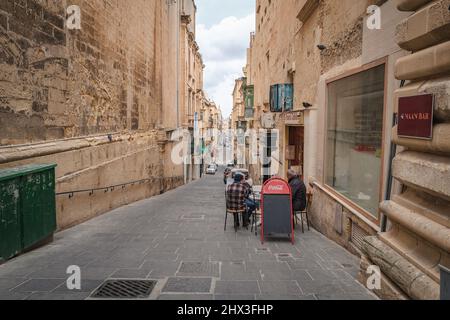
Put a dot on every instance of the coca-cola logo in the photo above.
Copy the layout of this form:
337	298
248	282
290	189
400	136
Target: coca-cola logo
276	188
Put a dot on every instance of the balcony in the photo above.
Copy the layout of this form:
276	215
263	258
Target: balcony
210	123
249	114
241	125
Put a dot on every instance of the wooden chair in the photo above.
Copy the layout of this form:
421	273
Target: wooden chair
239	213
304	214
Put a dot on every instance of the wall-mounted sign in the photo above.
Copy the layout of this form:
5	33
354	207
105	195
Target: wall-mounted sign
294	118
268	121
415	117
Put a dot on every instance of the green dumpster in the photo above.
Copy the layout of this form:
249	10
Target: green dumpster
27	208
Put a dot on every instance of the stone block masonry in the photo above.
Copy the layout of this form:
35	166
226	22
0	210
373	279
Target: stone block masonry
62	92
58	83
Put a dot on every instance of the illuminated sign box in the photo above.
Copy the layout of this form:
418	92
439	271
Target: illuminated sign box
415	117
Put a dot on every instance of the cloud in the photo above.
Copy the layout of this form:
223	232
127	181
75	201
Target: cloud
224	48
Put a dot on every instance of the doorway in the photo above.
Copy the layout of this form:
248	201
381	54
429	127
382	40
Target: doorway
295	148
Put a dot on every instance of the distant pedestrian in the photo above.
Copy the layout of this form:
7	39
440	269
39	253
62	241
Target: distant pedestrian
226	174
298	191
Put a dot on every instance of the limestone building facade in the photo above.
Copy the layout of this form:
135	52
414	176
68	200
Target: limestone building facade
378	193
416	243
210	132
238	121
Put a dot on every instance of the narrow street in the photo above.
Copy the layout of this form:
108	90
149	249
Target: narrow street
178	239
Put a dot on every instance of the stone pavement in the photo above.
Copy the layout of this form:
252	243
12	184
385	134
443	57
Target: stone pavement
178	239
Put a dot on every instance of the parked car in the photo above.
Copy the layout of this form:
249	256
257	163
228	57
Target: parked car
211	169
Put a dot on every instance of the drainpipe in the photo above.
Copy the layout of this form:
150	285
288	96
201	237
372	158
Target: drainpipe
392	155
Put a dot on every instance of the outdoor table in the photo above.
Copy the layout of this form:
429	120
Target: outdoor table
257	189
257	193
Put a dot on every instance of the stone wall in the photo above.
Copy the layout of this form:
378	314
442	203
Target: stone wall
273	47
95	162
336	221
57	83
62	92
342	25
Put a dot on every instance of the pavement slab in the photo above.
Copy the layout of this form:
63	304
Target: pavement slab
177	238
188	285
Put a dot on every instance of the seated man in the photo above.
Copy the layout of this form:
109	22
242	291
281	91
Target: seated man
298	191
236	194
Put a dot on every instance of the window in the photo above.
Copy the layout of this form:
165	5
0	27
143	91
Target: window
281	98
354	140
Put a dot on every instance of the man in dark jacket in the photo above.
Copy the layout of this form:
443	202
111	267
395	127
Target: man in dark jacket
298	191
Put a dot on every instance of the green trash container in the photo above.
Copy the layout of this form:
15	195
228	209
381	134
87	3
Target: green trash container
27	208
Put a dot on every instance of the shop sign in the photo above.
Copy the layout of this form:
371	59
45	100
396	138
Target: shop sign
268	121
294	118
415	117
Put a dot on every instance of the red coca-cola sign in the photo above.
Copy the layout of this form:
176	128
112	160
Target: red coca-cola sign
415	117
276	186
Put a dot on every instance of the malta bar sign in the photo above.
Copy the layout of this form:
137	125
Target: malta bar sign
415	117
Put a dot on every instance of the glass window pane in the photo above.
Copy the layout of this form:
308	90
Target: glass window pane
354	141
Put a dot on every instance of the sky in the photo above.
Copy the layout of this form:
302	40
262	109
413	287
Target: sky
223	34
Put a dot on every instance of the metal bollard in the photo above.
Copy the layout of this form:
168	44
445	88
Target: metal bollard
445	283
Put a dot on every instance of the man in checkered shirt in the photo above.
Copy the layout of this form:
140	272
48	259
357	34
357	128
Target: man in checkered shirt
236	195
